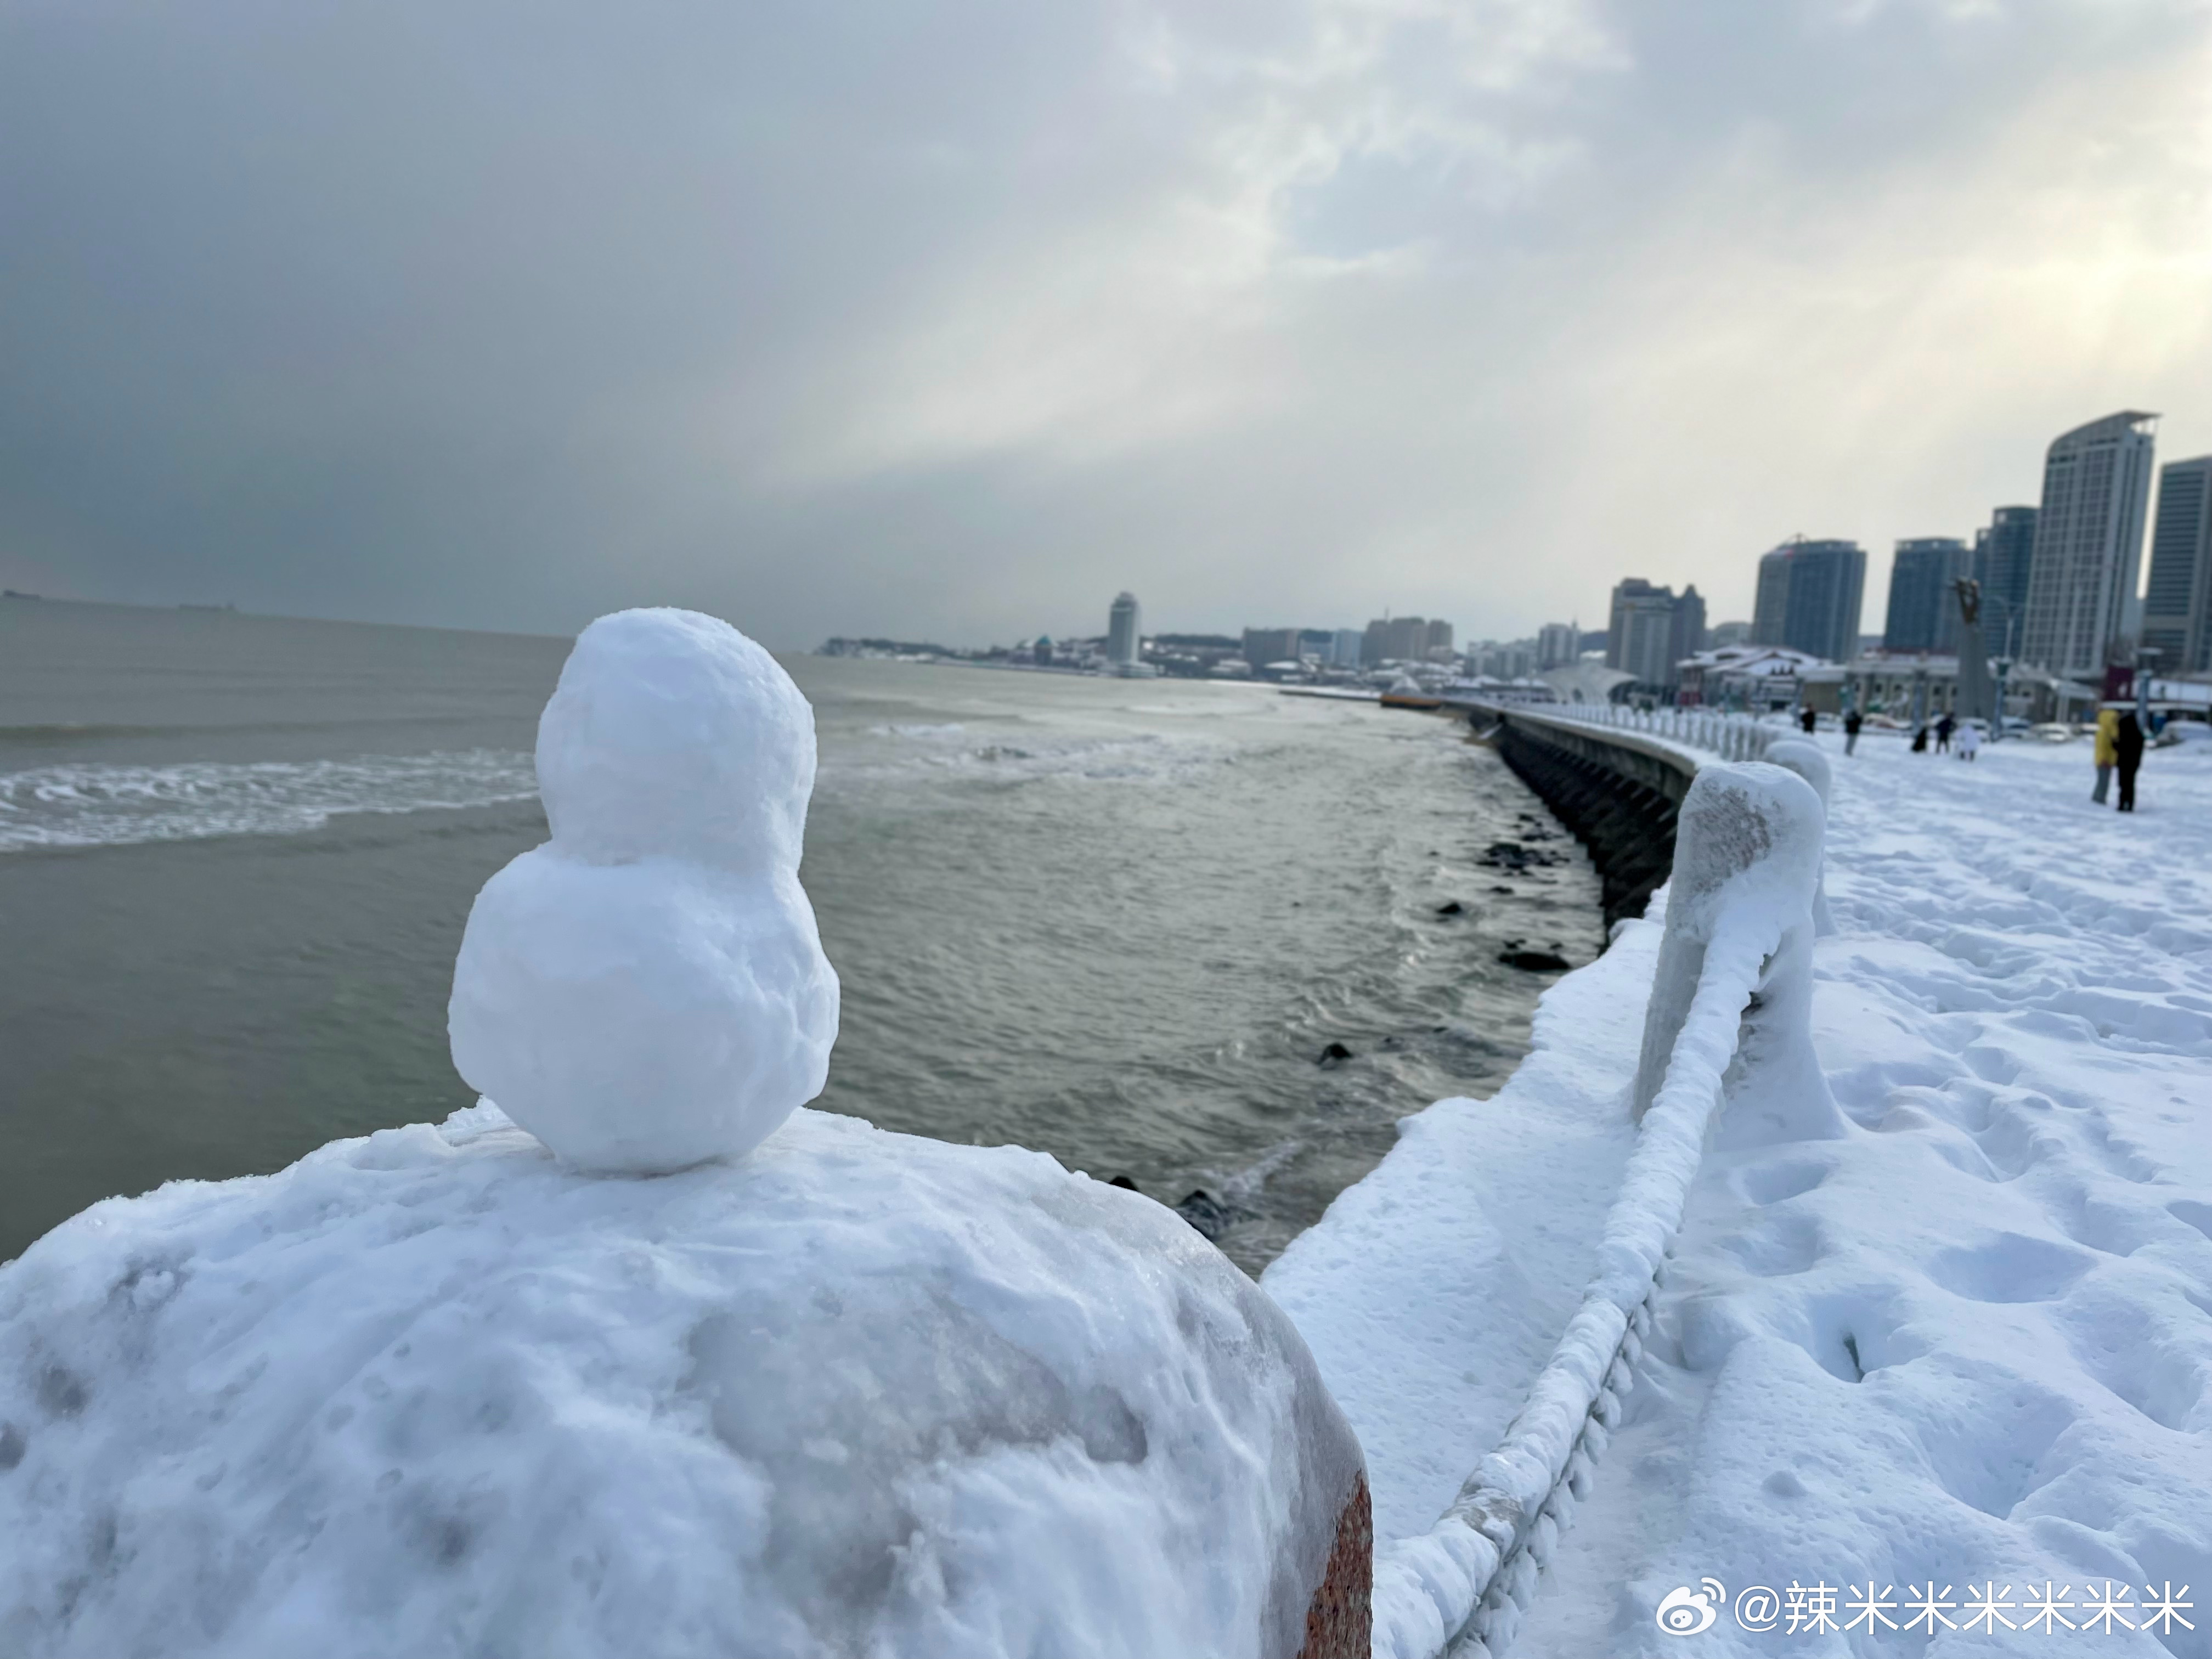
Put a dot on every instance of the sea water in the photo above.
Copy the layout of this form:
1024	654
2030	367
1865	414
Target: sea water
1120	922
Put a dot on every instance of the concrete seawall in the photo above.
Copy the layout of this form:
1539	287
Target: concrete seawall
1616	790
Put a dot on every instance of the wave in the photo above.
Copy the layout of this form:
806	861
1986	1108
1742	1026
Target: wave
94	804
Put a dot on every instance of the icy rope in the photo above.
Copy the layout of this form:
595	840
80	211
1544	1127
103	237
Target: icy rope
1746	853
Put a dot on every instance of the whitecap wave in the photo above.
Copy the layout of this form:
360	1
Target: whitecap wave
91	804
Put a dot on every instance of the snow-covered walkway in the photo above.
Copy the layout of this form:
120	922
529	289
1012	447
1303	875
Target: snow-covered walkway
1968	1344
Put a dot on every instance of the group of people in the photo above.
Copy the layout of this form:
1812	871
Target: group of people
1968	734
2120	745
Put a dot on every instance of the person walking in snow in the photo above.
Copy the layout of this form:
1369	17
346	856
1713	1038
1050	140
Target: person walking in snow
2127	750
2106	753
1852	724
1944	728
1808	719
1970	740
1920	740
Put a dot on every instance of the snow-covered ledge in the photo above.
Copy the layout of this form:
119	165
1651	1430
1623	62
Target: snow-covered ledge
644	1359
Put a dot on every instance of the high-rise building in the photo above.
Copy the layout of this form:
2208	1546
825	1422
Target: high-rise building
1558	644
2088	543
1122	623
2176	620
1397	639
1628	591
1265	644
1722	635
1643	636
1344	645
1653	630
1923	604
2004	553
1808	598
1687	636
1440	637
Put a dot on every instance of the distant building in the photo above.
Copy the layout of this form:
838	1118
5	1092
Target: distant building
1753	677
1344	647
1123	622
1808	598
2178	606
1628	591
2004	553
1923	604
1397	639
1440	637
1594	639
1265	644
1687	636
1652	630
2088	543
1919	685
1040	653
1724	634
1556	644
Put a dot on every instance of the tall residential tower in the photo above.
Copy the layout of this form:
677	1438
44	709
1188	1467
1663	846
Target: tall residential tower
1123	623
1923	608
1808	598
2178	606
2088	543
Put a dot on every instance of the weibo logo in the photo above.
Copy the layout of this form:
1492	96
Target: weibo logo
1685	1611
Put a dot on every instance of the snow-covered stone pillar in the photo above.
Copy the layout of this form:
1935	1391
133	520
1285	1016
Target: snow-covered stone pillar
1805	759
1748	849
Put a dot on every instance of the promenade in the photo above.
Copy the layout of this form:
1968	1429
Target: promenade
1966	1342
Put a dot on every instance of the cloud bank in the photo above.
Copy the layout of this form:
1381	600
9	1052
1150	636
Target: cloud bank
952	321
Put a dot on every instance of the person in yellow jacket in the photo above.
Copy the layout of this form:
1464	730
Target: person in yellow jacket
2108	751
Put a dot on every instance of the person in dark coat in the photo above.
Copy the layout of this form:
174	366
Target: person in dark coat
1852	721
1944	728
1808	719
1920	740
2128	742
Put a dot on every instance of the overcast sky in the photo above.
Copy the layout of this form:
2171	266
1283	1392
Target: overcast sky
944	319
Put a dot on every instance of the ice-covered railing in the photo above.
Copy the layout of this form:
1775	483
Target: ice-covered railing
1731	737
1729	1026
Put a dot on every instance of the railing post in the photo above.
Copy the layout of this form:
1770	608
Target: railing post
1805	759
1748	849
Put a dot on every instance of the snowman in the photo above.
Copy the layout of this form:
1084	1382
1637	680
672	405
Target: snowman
647	990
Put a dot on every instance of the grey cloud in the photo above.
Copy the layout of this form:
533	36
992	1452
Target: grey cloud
955	320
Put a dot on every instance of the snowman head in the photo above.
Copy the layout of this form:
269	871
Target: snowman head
671	734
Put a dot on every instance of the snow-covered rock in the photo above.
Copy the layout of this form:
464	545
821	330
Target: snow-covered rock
434	1392
647	989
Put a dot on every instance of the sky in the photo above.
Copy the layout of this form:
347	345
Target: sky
950	321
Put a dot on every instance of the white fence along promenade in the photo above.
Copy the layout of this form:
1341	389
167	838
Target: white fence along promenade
1733	979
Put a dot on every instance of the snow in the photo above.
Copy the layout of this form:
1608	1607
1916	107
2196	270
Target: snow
647	989
1964	1336
435	1392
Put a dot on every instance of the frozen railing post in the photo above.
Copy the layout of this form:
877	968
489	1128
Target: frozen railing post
1807	761
1747	851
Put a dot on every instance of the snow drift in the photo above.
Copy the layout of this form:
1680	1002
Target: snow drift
431	1393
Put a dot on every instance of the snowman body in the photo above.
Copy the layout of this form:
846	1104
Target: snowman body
647	989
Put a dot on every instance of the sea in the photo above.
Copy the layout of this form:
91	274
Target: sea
1209	937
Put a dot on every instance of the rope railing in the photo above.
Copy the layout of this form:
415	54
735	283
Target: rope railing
1735	961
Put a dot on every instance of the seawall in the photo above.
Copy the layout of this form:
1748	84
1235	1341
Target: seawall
1616	790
